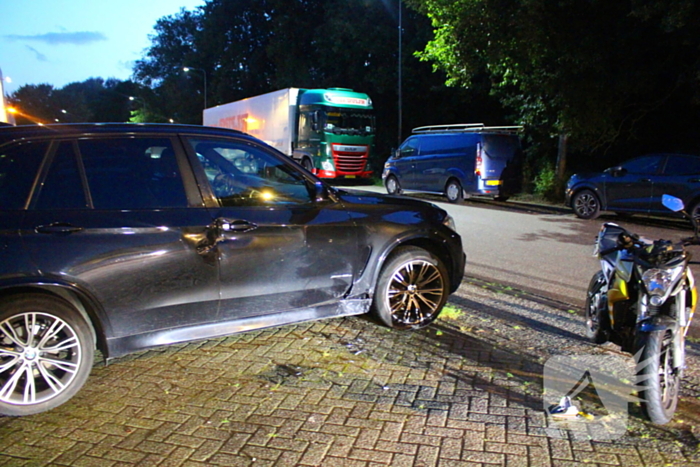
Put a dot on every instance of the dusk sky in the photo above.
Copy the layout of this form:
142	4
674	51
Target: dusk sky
64	41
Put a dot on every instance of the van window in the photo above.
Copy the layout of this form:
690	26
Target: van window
501	146
443	144
409	147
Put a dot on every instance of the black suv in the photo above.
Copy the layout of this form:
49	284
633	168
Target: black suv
637	186
121	237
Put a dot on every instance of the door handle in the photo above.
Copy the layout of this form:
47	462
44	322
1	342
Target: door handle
236	226
694	180
216	233
61	228
645	180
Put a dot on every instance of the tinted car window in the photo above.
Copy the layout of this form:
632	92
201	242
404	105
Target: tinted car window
682	165
132	173
244	175
409	147
444	144
63	186
18	167
643	165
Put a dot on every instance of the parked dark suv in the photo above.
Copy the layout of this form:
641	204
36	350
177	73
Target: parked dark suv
121	237
637	186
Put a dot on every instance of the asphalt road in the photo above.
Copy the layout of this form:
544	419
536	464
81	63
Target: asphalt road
545	251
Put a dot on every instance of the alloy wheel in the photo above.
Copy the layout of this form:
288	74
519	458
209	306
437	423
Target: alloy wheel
40	355
415	293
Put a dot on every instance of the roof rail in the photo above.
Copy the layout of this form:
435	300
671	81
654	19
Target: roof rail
467	128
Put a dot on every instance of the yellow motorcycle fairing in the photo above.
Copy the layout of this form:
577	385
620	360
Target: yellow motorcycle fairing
616	293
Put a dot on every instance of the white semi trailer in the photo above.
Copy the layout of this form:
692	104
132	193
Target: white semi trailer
329	131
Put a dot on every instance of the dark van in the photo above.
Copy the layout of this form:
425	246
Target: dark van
457	161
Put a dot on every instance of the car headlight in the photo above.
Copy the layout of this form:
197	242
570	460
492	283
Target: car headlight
449	222
659	282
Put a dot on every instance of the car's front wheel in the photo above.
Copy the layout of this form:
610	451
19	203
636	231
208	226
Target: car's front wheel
393	187
46	354
411	290
585	204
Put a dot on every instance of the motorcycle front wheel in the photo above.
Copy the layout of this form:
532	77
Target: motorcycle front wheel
658	381
597	316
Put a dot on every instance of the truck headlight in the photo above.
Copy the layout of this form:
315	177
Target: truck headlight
327	165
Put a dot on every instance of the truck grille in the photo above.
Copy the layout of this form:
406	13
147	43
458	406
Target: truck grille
350	159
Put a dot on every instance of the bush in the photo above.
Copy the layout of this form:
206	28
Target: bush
546	183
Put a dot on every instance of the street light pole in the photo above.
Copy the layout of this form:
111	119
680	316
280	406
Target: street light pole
400	80
204	74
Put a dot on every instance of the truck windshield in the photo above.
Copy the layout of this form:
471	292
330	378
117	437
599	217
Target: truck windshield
349	122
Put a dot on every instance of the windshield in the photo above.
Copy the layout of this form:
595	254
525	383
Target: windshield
348	122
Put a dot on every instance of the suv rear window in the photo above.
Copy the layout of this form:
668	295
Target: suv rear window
132	173
18	167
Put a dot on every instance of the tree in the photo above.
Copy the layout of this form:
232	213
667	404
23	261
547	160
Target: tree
593	71
248	48
93	100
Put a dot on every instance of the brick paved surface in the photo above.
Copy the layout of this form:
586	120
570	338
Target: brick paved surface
468	391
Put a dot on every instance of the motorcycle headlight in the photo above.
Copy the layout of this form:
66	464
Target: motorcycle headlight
659	282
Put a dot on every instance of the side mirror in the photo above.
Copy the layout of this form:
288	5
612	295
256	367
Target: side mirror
672	203
320	191
314	121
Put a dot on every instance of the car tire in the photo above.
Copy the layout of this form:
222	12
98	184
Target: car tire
412	288
453	191
392	185
585	204
47	353
694	212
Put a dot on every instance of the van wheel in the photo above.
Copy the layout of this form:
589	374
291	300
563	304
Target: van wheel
453	191
47	354
393	187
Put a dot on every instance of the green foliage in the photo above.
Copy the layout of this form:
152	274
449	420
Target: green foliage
93	100
546	182
596	70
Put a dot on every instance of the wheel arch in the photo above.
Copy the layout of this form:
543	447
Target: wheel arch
88	308
592	188
432	245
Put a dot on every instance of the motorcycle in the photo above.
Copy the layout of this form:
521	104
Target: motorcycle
643	300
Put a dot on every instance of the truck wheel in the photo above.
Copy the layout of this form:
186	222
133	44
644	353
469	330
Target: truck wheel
46	355
411	290
307	164
453	191
393	187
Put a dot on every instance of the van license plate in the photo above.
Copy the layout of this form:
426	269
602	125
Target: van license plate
493	182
